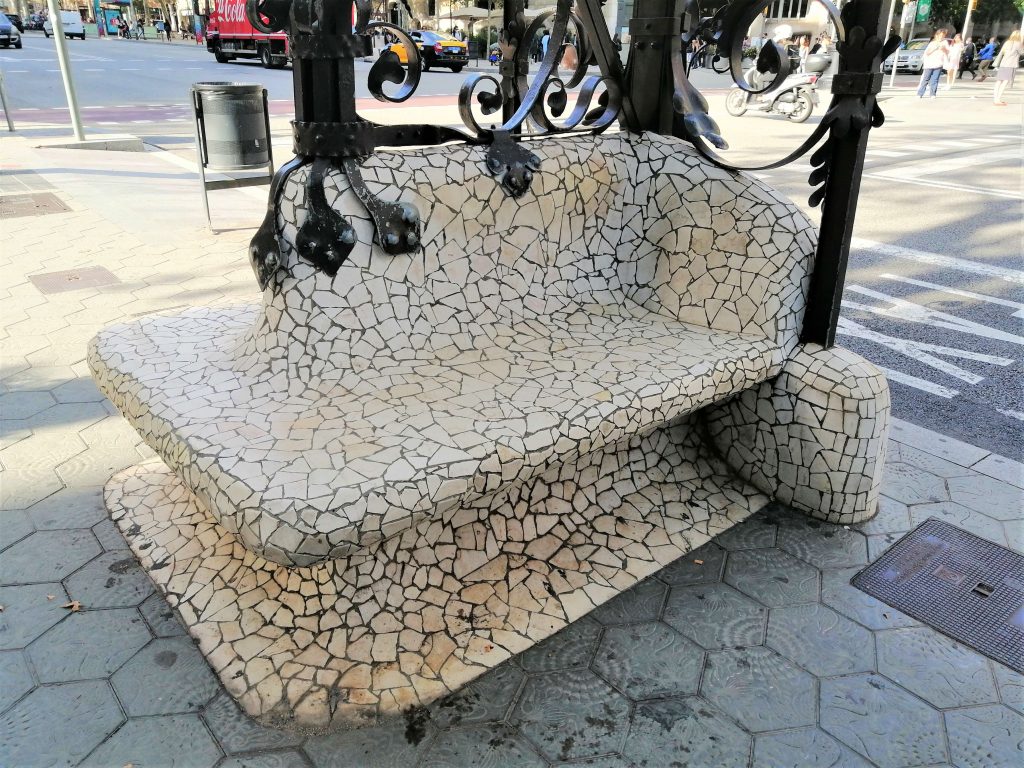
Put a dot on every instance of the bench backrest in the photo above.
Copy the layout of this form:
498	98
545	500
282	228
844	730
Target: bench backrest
608	219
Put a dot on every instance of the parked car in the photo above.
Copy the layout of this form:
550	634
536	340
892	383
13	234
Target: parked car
908	59
435	51
16	20
9	34
71	22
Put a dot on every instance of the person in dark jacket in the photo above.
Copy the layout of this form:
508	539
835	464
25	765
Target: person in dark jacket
968	60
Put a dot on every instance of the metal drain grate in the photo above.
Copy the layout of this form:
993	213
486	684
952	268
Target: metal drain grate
965	587
73	279
36	204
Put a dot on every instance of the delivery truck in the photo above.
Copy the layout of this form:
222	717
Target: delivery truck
229	36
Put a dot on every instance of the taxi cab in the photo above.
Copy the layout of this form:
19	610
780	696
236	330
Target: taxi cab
436	50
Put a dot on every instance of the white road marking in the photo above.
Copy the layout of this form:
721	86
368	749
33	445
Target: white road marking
960	162
914	381
884	153
896	176
1012	414
959	292
938	260
920	351
902	309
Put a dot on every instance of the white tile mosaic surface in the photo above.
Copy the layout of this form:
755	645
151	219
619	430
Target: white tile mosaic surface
345	409
405	621
380	484
815	437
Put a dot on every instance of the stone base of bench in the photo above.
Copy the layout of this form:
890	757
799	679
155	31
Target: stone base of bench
360	639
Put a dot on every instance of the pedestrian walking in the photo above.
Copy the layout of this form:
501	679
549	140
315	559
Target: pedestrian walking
985	57
803	52
954	51
544	44
933	60
968	60
1005	65
140	31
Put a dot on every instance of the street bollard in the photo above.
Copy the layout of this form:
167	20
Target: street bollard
3	101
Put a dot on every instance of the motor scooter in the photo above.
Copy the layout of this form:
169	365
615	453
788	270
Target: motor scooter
795	97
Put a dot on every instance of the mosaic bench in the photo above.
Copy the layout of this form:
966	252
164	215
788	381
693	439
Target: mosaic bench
377	485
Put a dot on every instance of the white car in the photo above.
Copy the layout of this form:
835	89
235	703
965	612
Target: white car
71	22
908	59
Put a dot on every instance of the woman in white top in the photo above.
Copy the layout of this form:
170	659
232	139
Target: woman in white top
1006	63
933	61
953	55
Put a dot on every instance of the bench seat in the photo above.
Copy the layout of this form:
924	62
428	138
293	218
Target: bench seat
331	466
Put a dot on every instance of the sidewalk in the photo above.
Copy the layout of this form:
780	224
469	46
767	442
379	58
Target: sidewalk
755	650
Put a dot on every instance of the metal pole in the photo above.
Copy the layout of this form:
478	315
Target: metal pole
967	20
896	55
892	79
3	101
65	68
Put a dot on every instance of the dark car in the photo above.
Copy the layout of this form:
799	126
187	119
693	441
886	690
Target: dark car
9	34
435	51
16	20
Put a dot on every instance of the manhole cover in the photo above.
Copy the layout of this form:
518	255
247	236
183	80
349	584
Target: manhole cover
73	279
36	204
961	585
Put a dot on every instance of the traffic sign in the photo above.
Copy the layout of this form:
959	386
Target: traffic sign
924	10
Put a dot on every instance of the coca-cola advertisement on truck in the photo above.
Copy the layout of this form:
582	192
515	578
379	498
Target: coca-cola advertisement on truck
229	36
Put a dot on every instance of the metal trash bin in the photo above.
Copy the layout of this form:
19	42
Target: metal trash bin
232	123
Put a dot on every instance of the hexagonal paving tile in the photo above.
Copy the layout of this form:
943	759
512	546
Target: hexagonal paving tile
648	660
822	544
1011	687
756	532
640	603
804	748
87	710
772	576
69	508
572	646
838	593
108	536
29	611
939	670
168	676
892	517
88	645
960	516
989	496
981	737
911	485
81	390
16	525
237	732
162	618
392	746
487	699
287	758
687	570
15	678
687	731
571	714
716	616
881	721
759	689
820	640
22	488
1013	530
113	580
22	405
47	556
174	741
486	745
907	454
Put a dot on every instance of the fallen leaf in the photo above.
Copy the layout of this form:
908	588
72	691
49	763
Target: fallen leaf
74	606
1	609
49	597
699	562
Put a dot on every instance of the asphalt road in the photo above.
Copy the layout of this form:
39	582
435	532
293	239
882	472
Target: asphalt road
935	287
